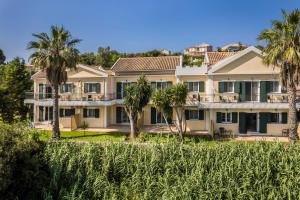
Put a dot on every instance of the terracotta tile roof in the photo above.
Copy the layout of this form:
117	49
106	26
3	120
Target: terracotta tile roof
214	57
39	74
146	64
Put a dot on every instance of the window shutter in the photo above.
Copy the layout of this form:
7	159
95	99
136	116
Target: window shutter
263	121
153	115
242	122
284	118
118	114
219	117
98	88
61	112
153	86
85	87
119	90
84	112
201	86
234	117
221	87
237	87
263	91
268	87
243	91
201	115
73	111
96	113
187	114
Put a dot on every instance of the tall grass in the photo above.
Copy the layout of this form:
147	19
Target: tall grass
171	171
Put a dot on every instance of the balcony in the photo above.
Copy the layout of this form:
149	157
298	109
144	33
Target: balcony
215	98
72	96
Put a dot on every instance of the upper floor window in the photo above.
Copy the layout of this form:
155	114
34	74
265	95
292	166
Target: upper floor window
160	85
121	89
195	86
64	88
92	87
274	86
226	86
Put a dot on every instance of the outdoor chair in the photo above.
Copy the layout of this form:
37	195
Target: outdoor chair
285	132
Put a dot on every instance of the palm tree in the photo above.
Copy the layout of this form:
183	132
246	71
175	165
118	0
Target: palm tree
55	54
282	49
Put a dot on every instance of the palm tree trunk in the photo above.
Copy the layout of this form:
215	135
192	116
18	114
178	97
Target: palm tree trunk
55	125
133	126
292	116
168	124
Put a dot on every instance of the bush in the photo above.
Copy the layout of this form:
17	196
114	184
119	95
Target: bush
23	174
173	171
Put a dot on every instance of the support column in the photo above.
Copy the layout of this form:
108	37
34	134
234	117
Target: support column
105	123
105	89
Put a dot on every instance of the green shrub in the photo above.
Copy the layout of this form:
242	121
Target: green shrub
173	171
23	174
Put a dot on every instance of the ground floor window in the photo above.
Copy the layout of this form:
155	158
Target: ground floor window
226	117
278	118
121	115
90	113
157	117
66	112
45	113
194	114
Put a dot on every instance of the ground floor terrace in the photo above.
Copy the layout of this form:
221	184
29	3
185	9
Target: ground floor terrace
245	121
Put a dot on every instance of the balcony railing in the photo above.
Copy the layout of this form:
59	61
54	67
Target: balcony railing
72	96
216	98
278	98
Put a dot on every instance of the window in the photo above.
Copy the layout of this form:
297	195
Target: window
160	85
194	114
227	117
66	88
92	87
195	86
121	115
228	86
90	113
274	86
121	89
66	112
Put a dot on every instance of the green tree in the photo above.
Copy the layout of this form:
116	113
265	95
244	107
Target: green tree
162	103
106	57
169	98
14	82
137	97
55	54
87	59
2	57
283	50
23	172
177	95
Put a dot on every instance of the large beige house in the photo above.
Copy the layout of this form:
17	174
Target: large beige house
233	90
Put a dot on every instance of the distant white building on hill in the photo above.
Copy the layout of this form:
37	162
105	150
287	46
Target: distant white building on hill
198	50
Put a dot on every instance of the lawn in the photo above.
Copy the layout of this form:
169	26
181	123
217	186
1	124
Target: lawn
85	136
120	137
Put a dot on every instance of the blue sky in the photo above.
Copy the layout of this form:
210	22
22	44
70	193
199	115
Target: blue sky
138	25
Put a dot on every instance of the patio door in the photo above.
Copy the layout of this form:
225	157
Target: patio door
45	113
252	90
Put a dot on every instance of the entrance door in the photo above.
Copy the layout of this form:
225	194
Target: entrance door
251	122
